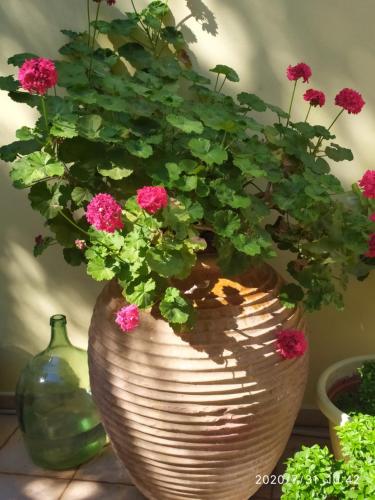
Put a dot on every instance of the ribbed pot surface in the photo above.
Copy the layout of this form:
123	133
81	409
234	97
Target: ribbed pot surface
199	415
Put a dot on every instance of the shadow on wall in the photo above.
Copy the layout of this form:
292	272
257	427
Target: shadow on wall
258	39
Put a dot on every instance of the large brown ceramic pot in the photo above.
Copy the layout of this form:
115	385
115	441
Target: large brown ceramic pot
199	415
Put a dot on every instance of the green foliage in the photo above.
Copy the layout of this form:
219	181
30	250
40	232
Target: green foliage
361	399
314	473
135	114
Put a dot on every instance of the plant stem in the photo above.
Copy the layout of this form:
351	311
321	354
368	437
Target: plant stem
291	102
89	21
44	111
222	85
73	223
329	128
335	120
217	81
308	112
94	36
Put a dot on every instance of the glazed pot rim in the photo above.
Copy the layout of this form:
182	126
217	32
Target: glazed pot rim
337	371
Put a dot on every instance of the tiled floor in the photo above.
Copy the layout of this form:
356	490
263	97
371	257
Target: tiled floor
103	478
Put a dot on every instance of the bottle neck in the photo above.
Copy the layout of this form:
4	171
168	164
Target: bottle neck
59	335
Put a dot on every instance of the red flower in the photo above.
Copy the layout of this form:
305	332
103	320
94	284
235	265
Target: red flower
37	75
291	343
127	318
350	99
104	213
152	198
371	247
300	70
367	183
372	217
315	97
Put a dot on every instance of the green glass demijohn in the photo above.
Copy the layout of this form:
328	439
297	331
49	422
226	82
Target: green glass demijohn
57	416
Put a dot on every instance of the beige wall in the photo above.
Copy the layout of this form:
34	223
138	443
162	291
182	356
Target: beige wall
259	38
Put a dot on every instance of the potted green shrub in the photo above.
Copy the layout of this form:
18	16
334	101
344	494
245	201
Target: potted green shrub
345	388
179	195
314	473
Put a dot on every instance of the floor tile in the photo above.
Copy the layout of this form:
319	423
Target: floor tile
105	467
89	490
8	423
15	459
30	488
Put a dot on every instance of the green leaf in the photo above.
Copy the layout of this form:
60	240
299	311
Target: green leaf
8	83
185	124
19	59
80	195
275	109
39	248
46	199
174	307
141	293
252	101
34	167
73	256
64	126
89	126
98	269
136	54
248	167
115	173
230	74
226	223
139	148
173	36
226	193
11	151
246	244
122	27
168	262
337	153
211	154
290	295
25	134
71	74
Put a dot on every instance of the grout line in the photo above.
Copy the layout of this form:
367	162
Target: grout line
70	479
9	437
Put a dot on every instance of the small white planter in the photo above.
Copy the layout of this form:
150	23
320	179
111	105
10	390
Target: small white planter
341	370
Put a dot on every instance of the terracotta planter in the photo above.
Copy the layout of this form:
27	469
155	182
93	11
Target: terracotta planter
199	415
338	378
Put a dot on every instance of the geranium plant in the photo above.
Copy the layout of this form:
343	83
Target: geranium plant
138	163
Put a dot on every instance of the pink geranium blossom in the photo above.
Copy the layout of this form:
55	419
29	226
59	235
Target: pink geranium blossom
350	99
80	244
152	198
315	97
372	217
291	343
367	183
104	213
128	318
37	75
300	70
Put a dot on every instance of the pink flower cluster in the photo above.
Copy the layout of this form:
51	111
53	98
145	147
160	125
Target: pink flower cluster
128	318
291	343
372	217
315	97
350	100
37	75
80	244
367	183
104	213
300	70
152	198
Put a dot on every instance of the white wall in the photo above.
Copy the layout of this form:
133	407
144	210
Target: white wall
259	38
